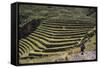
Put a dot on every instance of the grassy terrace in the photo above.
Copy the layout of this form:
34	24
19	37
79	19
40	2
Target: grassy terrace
47	38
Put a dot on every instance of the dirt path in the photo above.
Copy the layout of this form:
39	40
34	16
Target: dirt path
88	55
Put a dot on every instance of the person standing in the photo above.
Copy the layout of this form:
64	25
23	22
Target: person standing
82	48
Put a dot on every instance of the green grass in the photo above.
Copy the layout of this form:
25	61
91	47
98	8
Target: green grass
90	46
